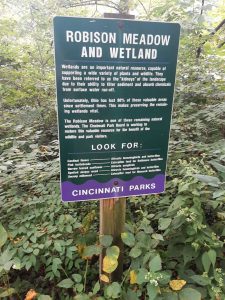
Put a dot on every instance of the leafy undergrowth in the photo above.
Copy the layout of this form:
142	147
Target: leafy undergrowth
173	241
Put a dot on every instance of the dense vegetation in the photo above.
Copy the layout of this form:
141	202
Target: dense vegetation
174	242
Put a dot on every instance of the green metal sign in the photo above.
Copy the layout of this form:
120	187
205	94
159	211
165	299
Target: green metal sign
115	84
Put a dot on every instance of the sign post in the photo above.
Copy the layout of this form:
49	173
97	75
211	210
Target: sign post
115	84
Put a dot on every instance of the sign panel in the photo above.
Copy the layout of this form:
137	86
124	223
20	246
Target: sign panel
115	83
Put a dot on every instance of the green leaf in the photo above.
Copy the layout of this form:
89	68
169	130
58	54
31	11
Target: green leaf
135	252
16	264
131	295
79	287
170	296
176	204
82	297
128	238
113	251
28	265
157	236
66	283
44	297
55	265
152	291
218	166
189	254
212	256
57	246
156	264
77	278
69	228
96	288
201	280
7	293
89	251
189	294
218	193
206	261
113	290
33	238
164	223
210	180
141	276
106	240
36	252
3	235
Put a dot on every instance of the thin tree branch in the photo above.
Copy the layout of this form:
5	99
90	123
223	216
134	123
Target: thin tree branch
221	44
202	7
212	33
90	3
143	7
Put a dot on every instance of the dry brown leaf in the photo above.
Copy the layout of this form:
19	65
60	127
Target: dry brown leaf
104	278
31	294
177	285
109	264
133	277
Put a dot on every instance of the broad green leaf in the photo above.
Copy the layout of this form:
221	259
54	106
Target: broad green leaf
141	276
3	235
36	251
206	261
155	264
96	288
157	236
33	238
128	238
16	264
79	287
89	251
218	193
176	204
201	280
57	261
77	278
106	240
57	246
189	254
113	251
131	295
212	256
170	296
164	223
152	291
28	265
82	297
113	290
210	180
218	166
44	297
189	294
66	283
135	252
7	293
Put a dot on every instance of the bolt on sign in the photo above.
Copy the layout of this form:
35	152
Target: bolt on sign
115	84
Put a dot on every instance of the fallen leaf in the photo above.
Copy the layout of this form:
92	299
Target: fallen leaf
104	278
177	285
133	277
109	264
31	294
